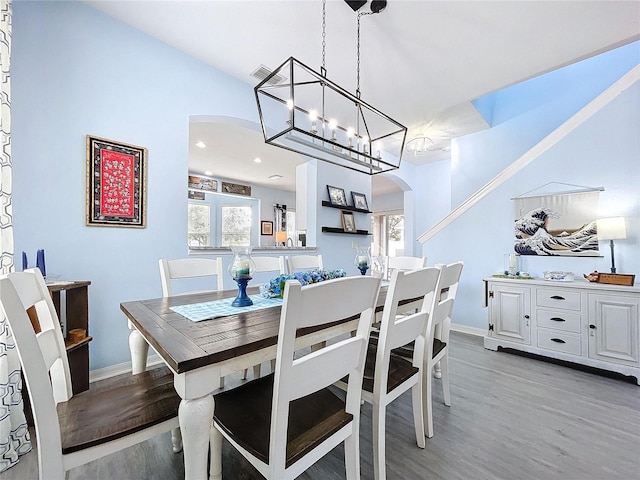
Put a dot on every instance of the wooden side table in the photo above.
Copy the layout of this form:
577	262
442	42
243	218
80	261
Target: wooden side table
75	315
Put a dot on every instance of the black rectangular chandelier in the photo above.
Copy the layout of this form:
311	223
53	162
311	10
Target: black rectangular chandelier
310	115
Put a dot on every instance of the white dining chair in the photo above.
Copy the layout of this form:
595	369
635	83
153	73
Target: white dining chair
186	269
304	262
269	264
190	268
285	422
73	430
404	263
387	376
436	355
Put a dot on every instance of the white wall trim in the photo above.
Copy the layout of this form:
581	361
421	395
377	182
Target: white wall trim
478	332
554	137
120	368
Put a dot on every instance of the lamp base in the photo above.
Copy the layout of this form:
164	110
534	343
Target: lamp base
363	270
242	300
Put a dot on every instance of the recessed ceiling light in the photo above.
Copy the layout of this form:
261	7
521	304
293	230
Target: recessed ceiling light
208	172
201	144
257	160
275	177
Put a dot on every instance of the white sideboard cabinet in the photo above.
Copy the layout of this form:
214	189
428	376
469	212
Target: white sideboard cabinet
591	324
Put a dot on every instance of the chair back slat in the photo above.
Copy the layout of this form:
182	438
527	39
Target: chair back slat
185	268
403	263
269	264
335	299
304	262
325	367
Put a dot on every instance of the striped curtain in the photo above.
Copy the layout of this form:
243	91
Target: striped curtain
14	436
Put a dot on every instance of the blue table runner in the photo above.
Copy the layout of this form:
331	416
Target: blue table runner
196	312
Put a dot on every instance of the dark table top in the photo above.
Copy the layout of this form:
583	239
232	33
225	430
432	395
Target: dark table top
187	345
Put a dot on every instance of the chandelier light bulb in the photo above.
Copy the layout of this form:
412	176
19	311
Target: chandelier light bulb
290	104
313	116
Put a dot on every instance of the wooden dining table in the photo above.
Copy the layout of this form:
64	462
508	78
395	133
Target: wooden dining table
201	353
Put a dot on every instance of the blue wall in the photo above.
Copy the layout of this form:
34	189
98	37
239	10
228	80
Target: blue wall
76	71
603	151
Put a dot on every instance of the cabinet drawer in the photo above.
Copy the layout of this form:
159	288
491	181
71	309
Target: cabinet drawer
558	320
559	341
558	298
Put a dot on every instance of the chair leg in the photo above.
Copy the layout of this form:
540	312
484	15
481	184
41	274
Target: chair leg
352	453
176	440
437	370
257	371
215	467
378	419
445	380
428	406
244	374
418	414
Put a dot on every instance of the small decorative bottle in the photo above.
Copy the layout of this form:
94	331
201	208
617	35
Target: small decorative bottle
241	268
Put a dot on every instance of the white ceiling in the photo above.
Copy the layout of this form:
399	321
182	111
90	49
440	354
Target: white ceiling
422	62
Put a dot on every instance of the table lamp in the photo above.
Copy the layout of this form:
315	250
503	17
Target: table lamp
611	229
281	237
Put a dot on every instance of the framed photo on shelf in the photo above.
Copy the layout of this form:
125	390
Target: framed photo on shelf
116	184
203	183
359	200
266	228
337	196
236	189
348	222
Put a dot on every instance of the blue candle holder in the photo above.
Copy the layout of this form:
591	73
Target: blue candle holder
240	269
363	269
242	300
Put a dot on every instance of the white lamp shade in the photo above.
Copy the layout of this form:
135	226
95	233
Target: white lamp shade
611	228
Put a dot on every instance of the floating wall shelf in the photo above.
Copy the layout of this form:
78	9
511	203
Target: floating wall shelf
344	207
342	230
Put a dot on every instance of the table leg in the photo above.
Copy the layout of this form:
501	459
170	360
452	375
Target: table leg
139	349
195	422
215	469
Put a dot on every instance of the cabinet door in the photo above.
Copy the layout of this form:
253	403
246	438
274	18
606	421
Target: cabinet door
509	313
613	328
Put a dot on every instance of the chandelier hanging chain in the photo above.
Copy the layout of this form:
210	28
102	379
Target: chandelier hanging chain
318	120
324	33
360	14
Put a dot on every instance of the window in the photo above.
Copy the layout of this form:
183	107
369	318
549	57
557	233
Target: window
236	225
291	228
199	226
388	234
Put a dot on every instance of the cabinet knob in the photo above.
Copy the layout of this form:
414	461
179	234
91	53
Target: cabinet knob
526	316
592	326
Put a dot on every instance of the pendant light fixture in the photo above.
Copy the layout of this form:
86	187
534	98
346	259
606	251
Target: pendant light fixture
313	116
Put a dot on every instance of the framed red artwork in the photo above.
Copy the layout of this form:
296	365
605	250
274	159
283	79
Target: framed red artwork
116	183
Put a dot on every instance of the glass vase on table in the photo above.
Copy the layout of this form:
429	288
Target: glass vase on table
363	259
241	268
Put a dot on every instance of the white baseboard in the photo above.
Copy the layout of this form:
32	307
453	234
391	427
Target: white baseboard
480	332
119	369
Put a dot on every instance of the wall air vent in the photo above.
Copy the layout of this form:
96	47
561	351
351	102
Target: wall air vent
263	72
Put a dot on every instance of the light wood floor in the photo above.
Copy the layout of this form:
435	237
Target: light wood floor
511	418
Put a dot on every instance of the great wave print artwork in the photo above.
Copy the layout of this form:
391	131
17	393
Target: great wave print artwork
533	236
